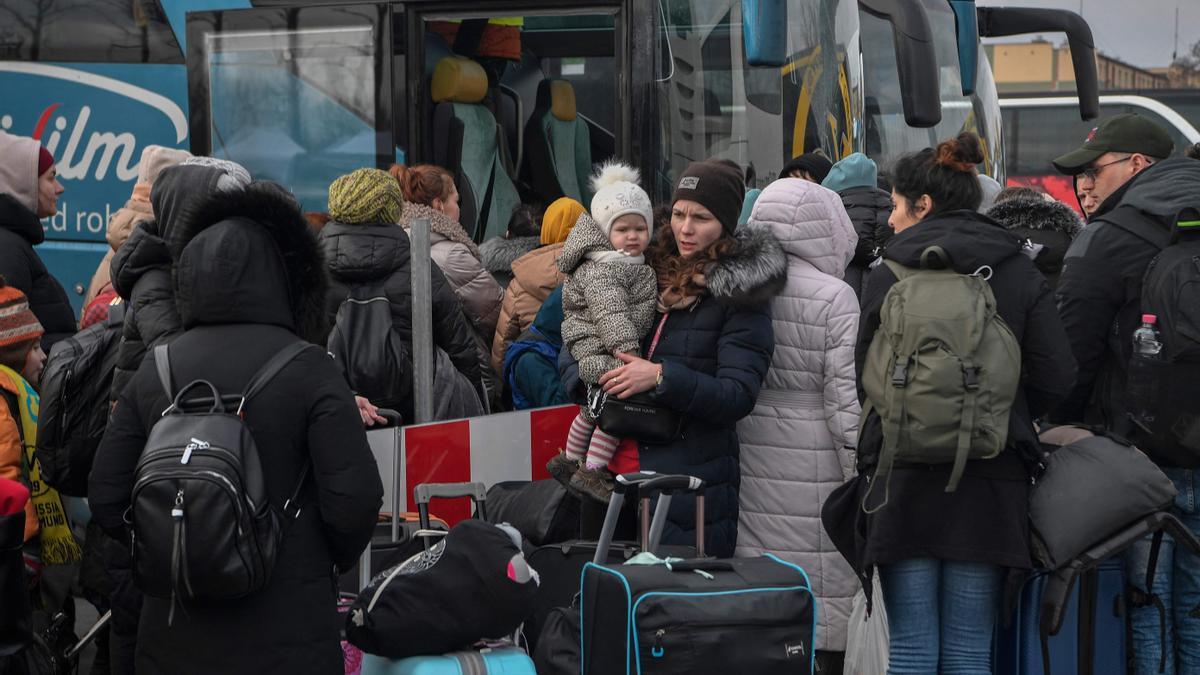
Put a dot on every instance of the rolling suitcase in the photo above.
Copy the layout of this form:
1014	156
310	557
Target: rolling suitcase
487	661
704	615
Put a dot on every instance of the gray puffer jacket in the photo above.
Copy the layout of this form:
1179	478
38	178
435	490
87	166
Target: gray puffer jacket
608	307
798	444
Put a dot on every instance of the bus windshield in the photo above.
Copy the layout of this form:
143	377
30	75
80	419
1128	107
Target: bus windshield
887	134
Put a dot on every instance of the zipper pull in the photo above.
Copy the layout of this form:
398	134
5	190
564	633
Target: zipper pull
177	512
196	444
657	650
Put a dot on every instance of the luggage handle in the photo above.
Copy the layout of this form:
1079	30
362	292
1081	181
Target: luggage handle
425	492
666	485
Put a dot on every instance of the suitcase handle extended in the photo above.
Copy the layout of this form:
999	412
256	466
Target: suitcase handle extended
666	485
426	492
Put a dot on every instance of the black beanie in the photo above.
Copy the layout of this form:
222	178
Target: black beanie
817	166
717	185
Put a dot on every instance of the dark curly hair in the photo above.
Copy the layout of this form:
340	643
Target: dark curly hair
680	274
946	173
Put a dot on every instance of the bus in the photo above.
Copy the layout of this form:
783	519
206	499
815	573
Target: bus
1039	128
300	92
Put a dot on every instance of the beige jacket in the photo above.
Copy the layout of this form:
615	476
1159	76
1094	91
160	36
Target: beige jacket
535	276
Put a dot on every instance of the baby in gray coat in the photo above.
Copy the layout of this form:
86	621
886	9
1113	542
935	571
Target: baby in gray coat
608	306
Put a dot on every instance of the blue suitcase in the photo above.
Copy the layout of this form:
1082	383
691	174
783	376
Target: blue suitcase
498	661
1095	615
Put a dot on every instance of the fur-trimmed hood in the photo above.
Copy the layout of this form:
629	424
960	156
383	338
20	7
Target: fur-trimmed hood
1036	213
499	253
752	273
250	257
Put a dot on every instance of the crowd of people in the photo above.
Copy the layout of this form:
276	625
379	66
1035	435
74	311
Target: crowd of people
747	318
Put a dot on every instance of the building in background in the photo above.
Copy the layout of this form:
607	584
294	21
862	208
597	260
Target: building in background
1040	66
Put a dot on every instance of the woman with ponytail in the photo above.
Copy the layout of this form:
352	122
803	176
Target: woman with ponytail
429	193
943	556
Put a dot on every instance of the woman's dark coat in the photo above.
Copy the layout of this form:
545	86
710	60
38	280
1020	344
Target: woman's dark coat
20	231
869	209
141	268
986	519
249	282
374	253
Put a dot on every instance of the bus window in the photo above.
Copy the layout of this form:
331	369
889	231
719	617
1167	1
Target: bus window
887	134
293	94
95	31
712	103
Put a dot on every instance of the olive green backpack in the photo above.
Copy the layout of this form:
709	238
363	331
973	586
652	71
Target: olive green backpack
942	370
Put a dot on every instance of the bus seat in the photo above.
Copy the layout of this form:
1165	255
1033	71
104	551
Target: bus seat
558	155
468	143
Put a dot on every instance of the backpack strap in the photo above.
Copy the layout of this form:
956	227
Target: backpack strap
162	363
271	368
970	397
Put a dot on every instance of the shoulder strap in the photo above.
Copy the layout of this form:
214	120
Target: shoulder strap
272	368
162	363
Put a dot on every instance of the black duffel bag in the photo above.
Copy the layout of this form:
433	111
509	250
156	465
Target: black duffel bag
541	510
473	585
1093	486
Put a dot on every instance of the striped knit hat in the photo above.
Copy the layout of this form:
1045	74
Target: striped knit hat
17	322
366	196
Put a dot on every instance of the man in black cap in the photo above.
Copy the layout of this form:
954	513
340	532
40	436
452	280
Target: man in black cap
1123	164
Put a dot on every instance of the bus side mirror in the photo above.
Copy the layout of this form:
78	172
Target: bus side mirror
916	59
1005	21
764	32
968	43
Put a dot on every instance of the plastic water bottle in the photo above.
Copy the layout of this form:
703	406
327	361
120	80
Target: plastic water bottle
1147	341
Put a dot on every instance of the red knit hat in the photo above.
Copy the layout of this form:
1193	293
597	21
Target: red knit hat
45	160
17	322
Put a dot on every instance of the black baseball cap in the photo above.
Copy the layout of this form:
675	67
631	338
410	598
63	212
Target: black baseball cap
1127	132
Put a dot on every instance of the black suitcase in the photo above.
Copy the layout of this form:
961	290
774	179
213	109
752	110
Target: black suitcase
541	510
704	615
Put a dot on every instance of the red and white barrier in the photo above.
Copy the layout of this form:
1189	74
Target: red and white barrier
487	449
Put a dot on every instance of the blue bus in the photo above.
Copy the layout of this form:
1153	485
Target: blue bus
300	92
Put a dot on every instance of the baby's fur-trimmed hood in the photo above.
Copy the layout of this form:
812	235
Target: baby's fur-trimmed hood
752	273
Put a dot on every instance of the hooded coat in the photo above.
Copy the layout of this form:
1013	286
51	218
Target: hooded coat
249	282
986	519
1099	292
607	305
1048	227
535	274
20	231
500	253
798	444
379	253
714	356
141	269
855	179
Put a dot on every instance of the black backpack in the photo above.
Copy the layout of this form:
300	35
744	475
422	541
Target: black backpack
75	388
203	523
372	355
1163	391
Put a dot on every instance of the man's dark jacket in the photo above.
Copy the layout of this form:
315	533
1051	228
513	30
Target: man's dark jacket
1099	293
20	231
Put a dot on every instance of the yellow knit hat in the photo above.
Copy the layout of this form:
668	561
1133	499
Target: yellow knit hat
560	219
366	196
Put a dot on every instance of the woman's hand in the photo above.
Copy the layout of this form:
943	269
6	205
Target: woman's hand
369	413
636	376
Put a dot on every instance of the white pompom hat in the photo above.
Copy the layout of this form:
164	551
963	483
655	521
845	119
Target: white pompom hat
618	194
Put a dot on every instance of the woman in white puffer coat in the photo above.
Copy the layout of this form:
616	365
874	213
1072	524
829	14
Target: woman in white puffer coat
798	444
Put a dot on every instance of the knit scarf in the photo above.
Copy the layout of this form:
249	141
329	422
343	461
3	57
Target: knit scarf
58	545
615	256
439	223
674	296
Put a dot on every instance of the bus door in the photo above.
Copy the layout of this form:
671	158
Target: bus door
297	95
519	100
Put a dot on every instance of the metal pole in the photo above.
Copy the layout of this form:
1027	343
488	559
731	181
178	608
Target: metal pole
422	321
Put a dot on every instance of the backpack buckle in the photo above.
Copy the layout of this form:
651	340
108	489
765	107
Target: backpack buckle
971	378
900	374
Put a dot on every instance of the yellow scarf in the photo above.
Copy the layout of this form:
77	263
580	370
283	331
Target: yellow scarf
58	545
